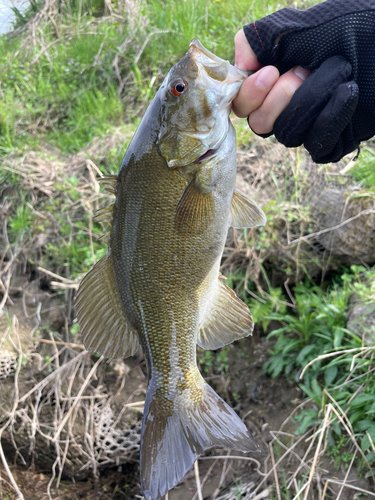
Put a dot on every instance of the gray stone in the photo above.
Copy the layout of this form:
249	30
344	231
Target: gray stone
361	320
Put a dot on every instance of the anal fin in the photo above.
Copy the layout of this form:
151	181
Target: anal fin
244	212
104	326
227	319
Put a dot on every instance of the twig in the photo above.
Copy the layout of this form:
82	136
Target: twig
368	211
84	385
52	375
156	32
222	477
343	419
325	424
347	474
59	342
205	477
232	457
63	286
275	472
60	278
351	486
198	481
329	355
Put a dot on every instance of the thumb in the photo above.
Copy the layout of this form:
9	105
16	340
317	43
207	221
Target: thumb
244	57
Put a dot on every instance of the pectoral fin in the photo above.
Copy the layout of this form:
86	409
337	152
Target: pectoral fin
104	326
244	212
194	210
228	319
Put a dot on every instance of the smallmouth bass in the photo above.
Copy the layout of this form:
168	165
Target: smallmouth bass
159	285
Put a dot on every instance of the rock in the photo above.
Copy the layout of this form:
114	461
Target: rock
353	242
361	320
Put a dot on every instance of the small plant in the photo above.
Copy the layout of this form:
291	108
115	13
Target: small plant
215	362
339	364
317	327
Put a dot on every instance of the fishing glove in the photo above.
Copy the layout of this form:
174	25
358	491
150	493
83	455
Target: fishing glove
334	109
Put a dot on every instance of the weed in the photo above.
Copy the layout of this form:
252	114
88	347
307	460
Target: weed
215	362
262	310
317	327
364	169
339	454
316	332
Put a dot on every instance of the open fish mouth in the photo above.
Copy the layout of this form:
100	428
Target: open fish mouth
205	156
209	60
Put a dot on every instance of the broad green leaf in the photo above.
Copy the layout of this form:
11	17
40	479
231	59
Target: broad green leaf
306	350
330	374
365	425
362	400
338	336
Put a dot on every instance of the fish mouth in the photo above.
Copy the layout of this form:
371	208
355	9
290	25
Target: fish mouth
196	44
205	156
218	68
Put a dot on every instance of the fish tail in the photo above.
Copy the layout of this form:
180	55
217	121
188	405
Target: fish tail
173	439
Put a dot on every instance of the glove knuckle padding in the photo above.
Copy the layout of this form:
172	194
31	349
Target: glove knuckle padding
331	135
293	125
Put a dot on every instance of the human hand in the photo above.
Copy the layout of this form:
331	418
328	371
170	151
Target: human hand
264	95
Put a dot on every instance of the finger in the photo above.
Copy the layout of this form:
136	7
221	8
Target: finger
331	136
254	90
293	125
262	119
244	57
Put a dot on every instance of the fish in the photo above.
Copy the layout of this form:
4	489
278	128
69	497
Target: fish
159	286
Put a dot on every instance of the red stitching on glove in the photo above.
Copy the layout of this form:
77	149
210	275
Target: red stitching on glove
256	31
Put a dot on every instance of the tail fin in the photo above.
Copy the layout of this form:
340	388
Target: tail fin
175	434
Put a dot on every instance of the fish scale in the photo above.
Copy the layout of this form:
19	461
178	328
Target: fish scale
159	285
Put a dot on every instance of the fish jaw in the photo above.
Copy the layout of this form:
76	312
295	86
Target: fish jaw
197	121
218	69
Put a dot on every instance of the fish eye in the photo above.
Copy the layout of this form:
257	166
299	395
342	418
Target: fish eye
179	88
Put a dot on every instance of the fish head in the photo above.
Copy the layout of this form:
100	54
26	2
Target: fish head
196	101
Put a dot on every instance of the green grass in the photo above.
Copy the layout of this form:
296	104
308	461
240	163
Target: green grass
364	168
69	93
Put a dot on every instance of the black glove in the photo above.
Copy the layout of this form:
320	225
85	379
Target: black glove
334	109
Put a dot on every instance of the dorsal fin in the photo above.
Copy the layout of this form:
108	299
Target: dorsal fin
105	214
109	182
104	326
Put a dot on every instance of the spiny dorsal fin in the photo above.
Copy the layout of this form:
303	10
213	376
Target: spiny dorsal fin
104	326
105	237
228	319
109	182
104	214
194	210
244	212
